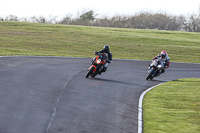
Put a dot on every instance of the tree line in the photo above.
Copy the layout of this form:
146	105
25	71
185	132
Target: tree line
142	20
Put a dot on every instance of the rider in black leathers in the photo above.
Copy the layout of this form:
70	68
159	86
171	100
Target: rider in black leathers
105	50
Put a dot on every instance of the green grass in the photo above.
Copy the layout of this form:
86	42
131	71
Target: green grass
173	107
20	38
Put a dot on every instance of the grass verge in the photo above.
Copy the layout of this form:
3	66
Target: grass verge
20	38
173	107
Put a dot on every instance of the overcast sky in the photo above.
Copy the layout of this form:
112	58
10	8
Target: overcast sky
27	8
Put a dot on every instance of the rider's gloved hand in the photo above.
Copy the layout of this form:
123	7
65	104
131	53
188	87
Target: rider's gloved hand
168	65
96	53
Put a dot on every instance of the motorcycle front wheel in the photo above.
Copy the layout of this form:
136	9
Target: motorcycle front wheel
89	72
149	76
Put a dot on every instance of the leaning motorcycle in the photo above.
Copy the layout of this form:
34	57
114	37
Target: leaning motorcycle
155	69
97	65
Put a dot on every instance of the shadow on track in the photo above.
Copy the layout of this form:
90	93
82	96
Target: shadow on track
115	81
156	80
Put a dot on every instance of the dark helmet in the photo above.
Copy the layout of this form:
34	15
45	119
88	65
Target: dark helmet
106	48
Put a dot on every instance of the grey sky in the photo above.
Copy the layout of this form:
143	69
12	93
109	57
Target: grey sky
27	8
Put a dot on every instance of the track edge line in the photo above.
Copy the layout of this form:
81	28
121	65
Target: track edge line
140	109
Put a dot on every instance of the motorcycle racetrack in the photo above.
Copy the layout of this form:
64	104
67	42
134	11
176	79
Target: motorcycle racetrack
52	95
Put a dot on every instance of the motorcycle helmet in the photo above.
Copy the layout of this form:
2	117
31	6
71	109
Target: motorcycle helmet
163	54
106	48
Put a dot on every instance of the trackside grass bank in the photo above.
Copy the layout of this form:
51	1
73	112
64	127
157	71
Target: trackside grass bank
20	38
173	107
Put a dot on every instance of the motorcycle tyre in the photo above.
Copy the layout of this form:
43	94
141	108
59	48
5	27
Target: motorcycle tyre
89	72
149	75
93	76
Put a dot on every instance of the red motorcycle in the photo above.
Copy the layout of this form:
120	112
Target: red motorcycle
97	65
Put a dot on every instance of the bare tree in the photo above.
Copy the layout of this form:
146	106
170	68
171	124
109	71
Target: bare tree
66	20
1	18
142	20
11	18
34	19
194	23
42	19
52	20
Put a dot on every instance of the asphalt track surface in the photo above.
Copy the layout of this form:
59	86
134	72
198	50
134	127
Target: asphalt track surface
52	95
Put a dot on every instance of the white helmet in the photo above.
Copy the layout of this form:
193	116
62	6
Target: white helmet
163	54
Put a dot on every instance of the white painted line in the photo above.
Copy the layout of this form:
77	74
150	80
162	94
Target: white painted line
140	118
